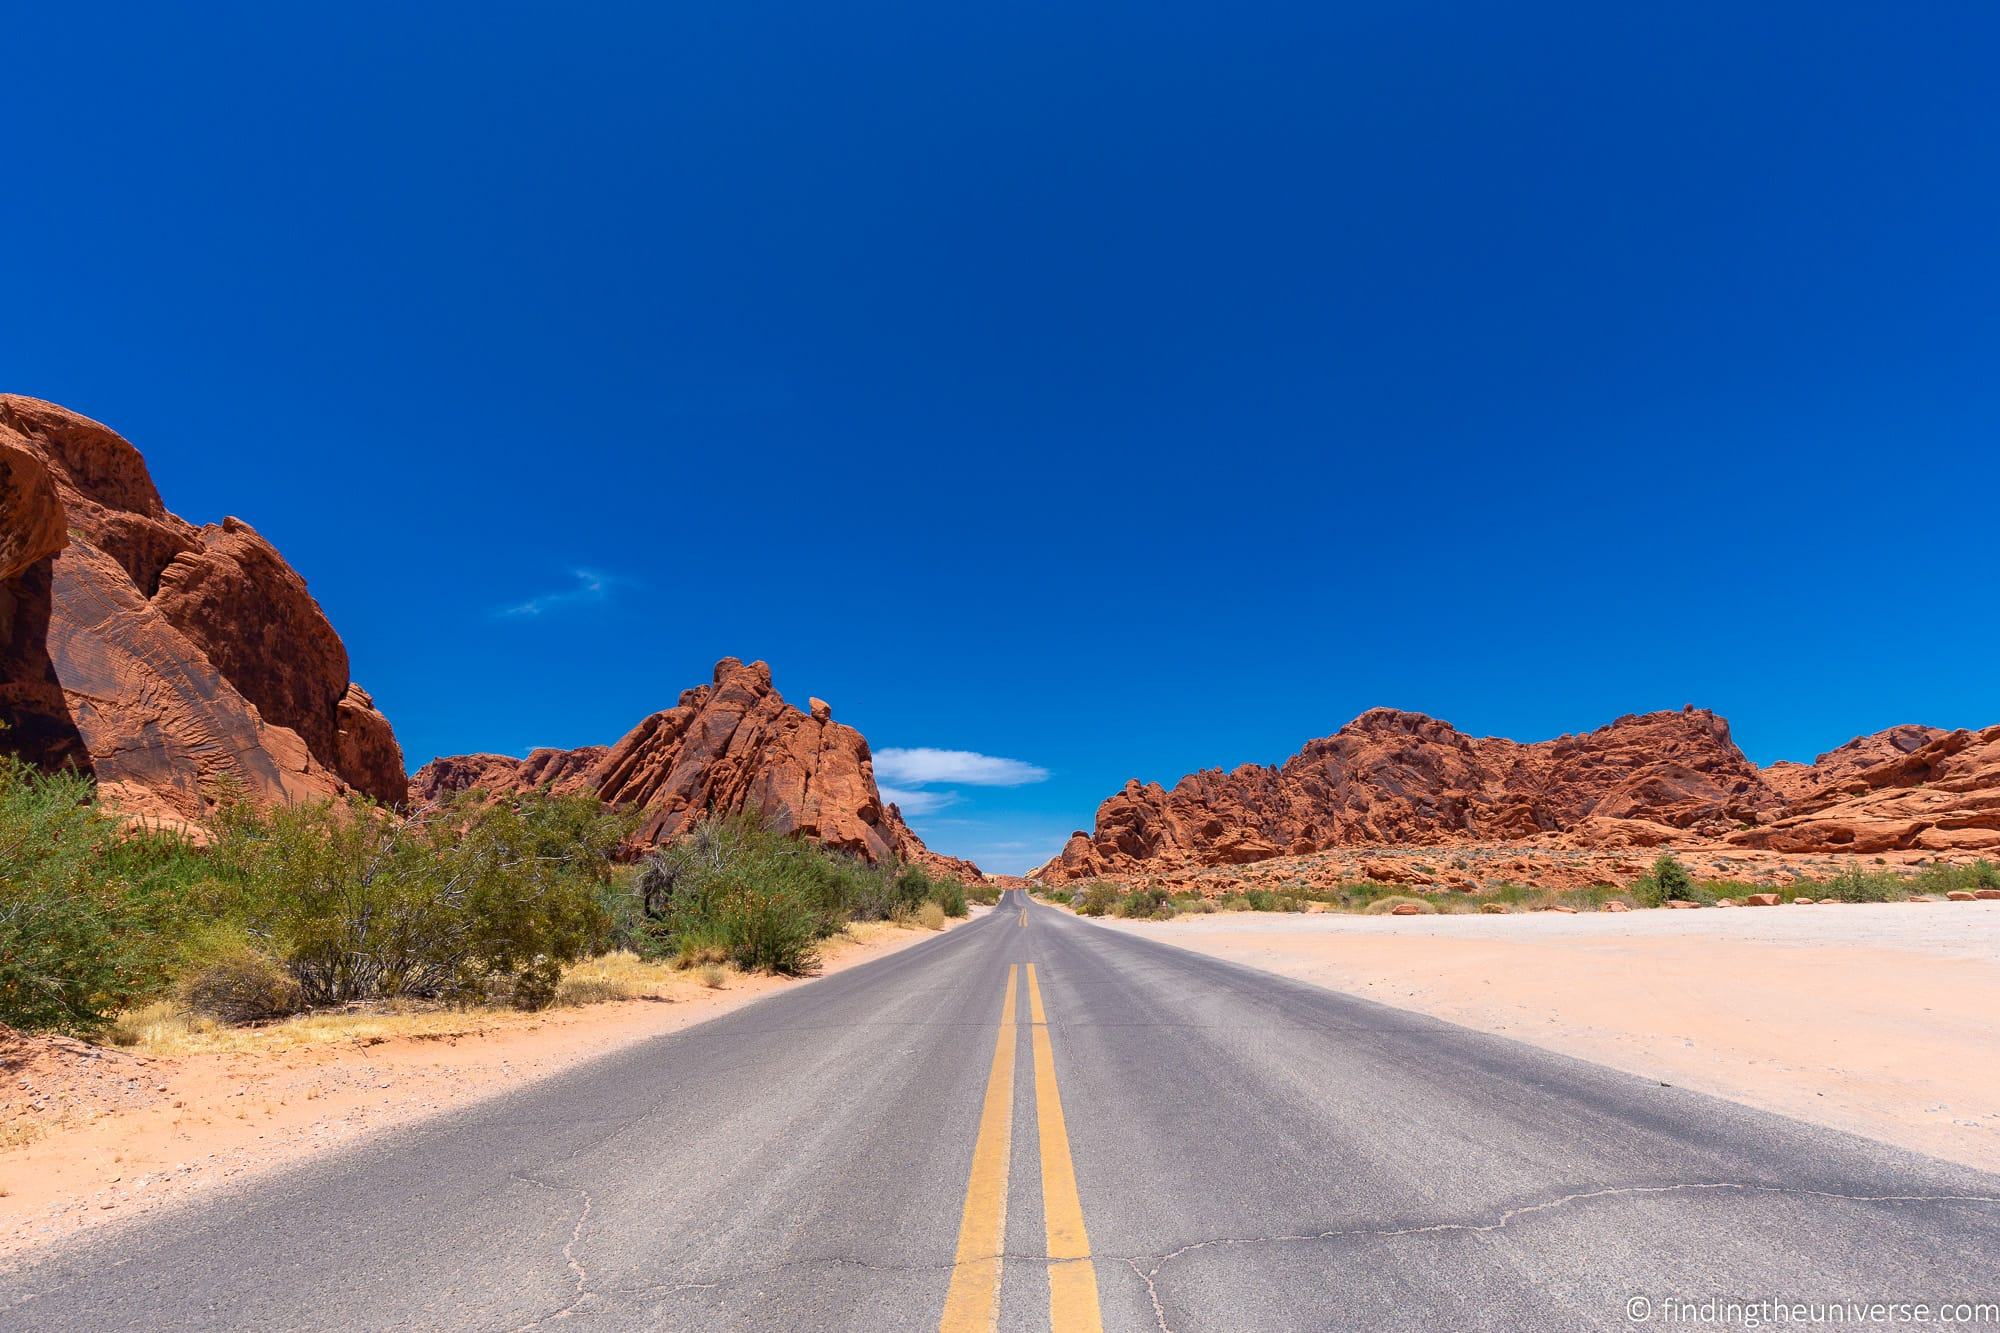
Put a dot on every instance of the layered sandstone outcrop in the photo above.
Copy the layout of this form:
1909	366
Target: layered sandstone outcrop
728	747
171	662
1940	796
1392	778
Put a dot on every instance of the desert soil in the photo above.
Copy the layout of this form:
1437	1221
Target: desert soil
91	1135
1879	1019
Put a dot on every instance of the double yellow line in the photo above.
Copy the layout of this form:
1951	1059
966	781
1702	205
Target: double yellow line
972	1305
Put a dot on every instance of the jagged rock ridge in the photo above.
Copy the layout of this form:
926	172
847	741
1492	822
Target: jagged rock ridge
727	747
1391	777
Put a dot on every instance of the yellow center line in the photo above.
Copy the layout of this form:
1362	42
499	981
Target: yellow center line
1072	1277
972	1305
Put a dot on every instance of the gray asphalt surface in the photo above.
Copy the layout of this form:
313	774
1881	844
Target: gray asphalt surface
1251	1153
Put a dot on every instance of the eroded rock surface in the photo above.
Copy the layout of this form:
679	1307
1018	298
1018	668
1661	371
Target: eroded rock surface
730	746
172	662
1403	779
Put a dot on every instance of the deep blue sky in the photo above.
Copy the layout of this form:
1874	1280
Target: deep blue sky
1122	390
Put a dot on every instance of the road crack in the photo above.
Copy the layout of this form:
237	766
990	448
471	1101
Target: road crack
1150	1276
569	1250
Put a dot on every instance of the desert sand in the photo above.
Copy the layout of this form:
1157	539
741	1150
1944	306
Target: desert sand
93	1135
1878	1019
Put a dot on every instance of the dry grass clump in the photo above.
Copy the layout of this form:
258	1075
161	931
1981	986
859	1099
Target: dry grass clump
1385	906
714	975
618	975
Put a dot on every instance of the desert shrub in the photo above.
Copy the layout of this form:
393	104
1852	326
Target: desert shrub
1190	902
948	895
986	895
241	986
1266	900
1941	878
1141	904
1232	902
91	914
361	903
763	900
713	975
1667	879
930	916
1855	885
1096	898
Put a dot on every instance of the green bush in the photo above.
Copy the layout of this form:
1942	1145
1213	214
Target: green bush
461	901
1855	885
986	895
1668	879
91	914
1142	904
736	891
1096	898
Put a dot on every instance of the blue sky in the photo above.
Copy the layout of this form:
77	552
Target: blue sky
1116	390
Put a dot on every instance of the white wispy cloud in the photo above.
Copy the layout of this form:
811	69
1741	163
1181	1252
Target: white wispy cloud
922	766
915	804
591	586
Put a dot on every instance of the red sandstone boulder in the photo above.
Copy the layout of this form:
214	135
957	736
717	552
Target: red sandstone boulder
1761	900
167	660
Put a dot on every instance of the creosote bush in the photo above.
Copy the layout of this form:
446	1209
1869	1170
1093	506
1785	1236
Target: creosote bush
308	904
1096	898
733	891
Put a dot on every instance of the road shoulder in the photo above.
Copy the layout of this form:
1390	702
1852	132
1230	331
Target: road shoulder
91	1136
1879	1020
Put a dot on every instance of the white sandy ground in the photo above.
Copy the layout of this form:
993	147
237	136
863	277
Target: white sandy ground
161	1130
1879	1019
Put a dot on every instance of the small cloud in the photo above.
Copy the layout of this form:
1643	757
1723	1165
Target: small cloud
922	766
591	586
917	803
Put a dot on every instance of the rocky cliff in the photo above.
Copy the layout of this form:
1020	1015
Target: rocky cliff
166	660
727	747
1393	778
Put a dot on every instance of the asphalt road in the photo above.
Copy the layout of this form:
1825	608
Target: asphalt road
1179	1144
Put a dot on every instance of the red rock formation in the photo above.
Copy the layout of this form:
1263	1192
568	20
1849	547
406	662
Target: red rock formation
1391	778
727	747
1795	782
1942	796
167	660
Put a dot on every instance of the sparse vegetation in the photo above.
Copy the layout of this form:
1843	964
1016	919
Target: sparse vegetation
1667	881
735	892
1097	898
330	903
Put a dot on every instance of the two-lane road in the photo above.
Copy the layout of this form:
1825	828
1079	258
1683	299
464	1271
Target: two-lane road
1032	1122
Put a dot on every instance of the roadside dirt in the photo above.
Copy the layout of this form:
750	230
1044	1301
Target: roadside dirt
91	1135
1878	1019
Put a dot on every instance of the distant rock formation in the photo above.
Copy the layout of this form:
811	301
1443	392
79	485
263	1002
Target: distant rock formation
1395	778
1941	796
166	660
727	747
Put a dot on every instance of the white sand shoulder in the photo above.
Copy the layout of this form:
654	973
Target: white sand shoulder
1878	1019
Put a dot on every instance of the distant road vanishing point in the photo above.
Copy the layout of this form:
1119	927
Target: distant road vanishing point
1034	1123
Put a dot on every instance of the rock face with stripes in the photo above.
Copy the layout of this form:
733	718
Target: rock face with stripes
173	663
731	746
